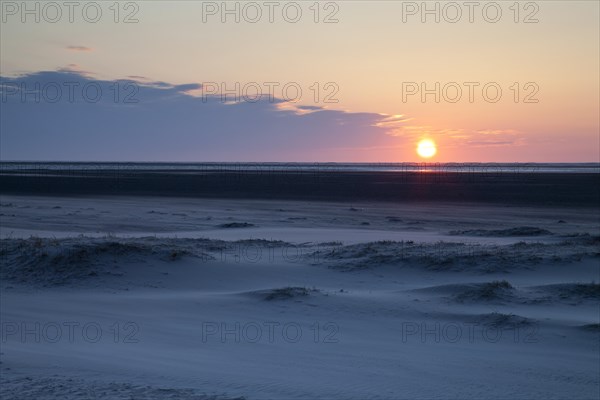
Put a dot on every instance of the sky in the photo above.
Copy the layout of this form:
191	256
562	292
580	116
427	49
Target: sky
346	81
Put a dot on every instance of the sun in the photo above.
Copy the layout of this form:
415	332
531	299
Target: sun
426	148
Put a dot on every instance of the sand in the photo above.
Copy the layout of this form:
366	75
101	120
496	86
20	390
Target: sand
147	297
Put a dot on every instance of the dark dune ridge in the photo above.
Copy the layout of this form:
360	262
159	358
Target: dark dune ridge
511	232
523	188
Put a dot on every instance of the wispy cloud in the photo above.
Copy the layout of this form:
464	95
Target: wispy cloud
459	137
138	78
76	69
79	48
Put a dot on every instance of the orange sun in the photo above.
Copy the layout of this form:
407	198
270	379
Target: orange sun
426	148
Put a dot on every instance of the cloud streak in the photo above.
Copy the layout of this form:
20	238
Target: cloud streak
460	137
79	48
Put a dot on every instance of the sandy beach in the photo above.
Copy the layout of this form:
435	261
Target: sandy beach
300	200
191	297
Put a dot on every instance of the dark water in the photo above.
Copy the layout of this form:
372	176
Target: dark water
305	167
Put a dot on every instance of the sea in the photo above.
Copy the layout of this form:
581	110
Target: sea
33	166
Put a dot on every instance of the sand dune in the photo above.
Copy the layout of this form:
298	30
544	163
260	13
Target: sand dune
60	388
572	292
316	306
517	231
460	256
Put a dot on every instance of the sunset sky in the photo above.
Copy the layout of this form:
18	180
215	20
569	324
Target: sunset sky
369	61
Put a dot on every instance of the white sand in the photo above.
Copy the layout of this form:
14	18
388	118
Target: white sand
406	307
